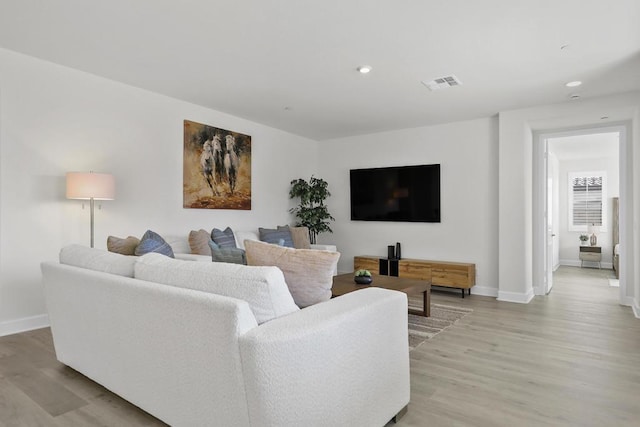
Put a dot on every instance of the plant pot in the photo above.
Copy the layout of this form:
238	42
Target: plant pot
363	280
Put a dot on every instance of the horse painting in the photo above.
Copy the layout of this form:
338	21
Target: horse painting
217	168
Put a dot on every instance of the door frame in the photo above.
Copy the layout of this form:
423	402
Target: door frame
540	218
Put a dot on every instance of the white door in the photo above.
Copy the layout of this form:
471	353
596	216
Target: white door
551	236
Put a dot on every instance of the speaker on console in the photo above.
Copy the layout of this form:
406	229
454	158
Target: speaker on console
391	252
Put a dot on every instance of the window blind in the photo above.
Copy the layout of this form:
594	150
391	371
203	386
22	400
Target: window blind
587	200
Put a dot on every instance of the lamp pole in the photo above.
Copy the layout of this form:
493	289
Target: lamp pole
91	209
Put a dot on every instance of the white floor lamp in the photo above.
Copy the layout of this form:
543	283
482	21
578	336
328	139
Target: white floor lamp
90	186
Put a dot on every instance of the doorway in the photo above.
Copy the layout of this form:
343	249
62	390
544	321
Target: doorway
563	162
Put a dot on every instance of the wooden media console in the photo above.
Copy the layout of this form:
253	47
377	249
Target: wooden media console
456	275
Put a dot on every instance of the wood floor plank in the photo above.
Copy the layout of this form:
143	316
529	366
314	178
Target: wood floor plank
53	397
18	410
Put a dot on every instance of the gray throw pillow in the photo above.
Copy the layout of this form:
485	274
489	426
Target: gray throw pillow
152	242
270	235
229	255
224	239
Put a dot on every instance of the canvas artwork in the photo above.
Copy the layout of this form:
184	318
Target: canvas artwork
217	168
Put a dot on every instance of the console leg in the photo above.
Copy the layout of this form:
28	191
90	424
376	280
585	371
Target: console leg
462	292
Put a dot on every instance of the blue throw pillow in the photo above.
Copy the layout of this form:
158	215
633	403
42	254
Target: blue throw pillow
224	239
230	255
272	236
152	242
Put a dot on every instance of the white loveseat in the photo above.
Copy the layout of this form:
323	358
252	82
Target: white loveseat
191	355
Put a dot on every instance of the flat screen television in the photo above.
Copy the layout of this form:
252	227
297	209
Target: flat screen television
402	193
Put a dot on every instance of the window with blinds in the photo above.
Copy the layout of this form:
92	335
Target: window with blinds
587	200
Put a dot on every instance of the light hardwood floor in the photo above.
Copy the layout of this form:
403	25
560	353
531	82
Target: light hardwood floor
571	358
568	359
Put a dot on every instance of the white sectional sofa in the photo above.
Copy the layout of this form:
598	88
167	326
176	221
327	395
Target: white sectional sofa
213	344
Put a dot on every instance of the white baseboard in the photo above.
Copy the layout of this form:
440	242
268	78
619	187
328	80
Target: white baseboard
16	326
518	297
484	291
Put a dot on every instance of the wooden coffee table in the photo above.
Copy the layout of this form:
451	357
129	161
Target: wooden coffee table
343	284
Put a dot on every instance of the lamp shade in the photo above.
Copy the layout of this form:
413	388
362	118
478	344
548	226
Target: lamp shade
89	185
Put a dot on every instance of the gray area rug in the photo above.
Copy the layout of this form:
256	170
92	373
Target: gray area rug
442	316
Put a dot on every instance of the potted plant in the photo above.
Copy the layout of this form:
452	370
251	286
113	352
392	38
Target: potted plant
584	239
363	277
311	212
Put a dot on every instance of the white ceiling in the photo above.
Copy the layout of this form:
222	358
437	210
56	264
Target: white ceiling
591	146
291	64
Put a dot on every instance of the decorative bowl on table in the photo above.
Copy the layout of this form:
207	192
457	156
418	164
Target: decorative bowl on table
363	277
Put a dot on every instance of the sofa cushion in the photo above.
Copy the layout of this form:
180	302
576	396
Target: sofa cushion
152	242
308	272
199	242
122	246
231	255
263	288
241	236
270	235
179	243
98	260
224	239
300	237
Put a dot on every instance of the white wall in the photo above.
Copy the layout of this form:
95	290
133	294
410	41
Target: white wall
515	188
54	119
632	260
569	242
467	153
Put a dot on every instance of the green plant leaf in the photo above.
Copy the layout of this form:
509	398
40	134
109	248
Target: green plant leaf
311	211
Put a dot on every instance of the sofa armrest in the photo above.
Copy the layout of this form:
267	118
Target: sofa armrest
344	361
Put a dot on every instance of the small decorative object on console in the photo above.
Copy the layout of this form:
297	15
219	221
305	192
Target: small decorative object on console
363	277
391	252
584	239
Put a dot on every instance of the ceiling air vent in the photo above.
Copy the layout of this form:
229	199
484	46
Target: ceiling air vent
442	83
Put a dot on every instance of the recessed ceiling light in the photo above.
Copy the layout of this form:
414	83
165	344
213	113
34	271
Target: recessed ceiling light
574	83
604	117
364	69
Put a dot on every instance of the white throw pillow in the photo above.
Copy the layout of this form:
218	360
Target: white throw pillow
241	236
263	288
179	244
98	260
308	272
